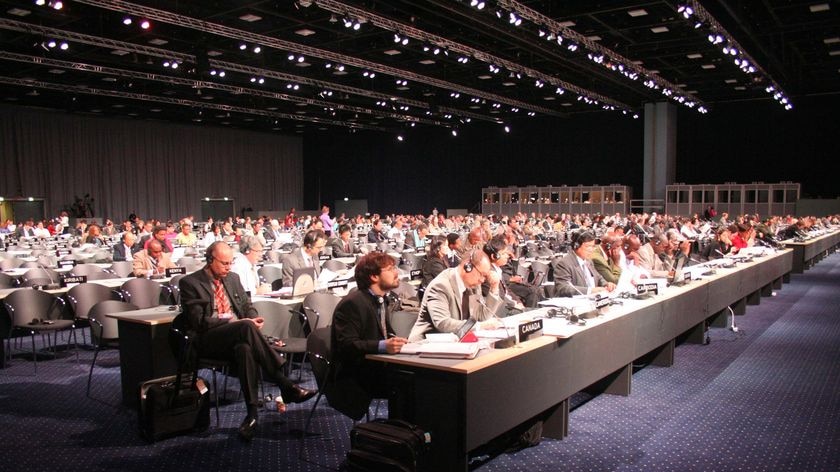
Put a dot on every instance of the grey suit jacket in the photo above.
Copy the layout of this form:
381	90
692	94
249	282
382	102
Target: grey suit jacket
441	309
568	276
337	245
295	261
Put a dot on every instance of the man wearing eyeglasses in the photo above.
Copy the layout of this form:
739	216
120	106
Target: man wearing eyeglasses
217	315
453	297
314	242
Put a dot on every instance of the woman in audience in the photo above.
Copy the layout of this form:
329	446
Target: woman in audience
435	259
721	245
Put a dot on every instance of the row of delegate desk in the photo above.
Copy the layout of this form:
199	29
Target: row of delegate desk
466	403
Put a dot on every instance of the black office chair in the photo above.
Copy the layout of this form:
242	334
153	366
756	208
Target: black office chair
122	269
103	330
322	305
271	275
35	312
334	265
39	274
84	296
401	322
289	326
143	293
11	263
7	281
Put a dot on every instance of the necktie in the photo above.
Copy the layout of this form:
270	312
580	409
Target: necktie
590	281
154	264
465	305
382	322
221	299
346	247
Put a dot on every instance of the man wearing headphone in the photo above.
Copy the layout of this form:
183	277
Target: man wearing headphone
314	242
606	258
245	265
516	292
574	273
361	326
454	296
217	315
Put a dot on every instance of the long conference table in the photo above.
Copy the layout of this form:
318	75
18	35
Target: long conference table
467	403
811	251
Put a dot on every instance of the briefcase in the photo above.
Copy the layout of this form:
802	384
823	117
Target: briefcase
171	406
387	445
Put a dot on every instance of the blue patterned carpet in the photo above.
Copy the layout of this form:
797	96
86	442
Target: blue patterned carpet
766	398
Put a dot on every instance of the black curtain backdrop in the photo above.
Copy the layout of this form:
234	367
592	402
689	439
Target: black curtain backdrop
154	169
740	142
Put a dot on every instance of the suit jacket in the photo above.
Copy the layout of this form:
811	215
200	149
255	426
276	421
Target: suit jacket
337	245
568	276
295	261
375	236
610	271
431	268
441	309
355	333
119	252
198	302
143	263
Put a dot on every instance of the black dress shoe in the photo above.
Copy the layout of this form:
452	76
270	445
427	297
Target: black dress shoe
246	429
298	394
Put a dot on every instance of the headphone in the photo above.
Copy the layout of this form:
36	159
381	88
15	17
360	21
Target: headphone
208	254
468	266
608	246
491	252
567	313
578	239
310	237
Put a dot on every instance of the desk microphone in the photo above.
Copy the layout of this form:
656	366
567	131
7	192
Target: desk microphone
576	289
721	254
52	285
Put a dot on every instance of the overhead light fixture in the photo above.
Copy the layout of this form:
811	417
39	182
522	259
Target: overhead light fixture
686	11
145	24
477	4
127	20
257	49
400	138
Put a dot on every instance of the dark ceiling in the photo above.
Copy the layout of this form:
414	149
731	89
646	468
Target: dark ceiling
314	69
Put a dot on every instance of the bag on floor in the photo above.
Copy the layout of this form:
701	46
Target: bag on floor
171	406
387	445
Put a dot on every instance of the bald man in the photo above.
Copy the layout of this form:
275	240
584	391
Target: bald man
454	296
218	316
152	261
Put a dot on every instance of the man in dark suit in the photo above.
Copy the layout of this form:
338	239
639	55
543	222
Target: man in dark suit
574	273
219	318
360	327
375	235
123	249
